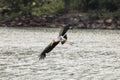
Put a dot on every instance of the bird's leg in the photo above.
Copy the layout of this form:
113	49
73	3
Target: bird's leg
70	42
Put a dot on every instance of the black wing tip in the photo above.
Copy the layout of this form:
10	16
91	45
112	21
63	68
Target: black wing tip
42	56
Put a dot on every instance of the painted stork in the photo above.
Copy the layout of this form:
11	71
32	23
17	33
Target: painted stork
61	38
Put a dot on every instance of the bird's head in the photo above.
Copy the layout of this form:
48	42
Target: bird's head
63	39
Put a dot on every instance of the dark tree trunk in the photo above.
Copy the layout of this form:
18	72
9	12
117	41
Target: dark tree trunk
67	5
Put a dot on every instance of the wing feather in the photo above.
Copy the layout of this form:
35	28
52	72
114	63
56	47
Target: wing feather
64	30
48	49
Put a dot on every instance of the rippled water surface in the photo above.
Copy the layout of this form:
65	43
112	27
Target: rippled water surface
94	55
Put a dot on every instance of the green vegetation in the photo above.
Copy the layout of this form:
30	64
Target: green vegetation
30	7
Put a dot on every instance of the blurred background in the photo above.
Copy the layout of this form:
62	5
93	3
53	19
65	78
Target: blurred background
53	13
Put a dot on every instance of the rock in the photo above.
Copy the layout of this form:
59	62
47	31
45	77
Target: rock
77	20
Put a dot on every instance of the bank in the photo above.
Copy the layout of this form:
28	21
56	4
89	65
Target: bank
53	20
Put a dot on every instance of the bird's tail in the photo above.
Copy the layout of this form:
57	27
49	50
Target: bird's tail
42	56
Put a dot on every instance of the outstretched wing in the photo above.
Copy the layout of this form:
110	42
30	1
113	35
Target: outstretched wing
72	22
48	49
64	30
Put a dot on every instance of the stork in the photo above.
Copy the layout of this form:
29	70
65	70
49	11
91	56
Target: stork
62	38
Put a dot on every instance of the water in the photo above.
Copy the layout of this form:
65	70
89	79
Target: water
94	55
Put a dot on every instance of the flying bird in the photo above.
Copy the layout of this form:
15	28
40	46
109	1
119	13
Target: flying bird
62	38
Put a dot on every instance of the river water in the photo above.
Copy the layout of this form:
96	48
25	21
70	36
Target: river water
93	55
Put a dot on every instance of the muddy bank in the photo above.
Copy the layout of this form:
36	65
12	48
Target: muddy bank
57	20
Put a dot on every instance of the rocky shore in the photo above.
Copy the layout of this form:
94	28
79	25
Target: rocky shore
58	20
